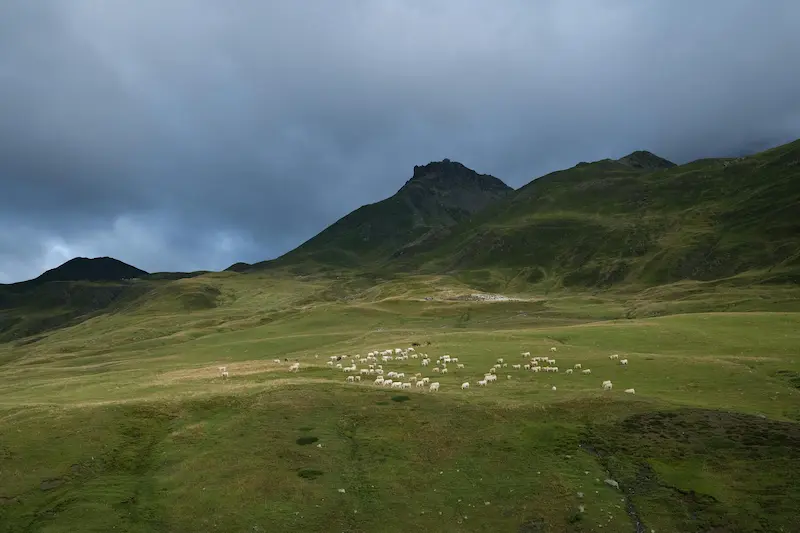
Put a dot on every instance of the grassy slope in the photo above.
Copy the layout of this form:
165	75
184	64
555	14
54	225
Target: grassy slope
606	223
122	422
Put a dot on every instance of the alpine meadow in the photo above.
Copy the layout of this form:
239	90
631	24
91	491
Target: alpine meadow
614	348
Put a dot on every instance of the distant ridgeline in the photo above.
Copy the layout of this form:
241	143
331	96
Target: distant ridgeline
639	219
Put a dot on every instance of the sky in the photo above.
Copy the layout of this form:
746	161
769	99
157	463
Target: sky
193	134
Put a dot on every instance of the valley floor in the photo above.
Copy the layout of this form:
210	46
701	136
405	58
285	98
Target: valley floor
123	423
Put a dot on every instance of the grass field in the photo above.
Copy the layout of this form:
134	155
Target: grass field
122	423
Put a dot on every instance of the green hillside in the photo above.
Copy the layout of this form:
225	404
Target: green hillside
438	196
115	415
612	222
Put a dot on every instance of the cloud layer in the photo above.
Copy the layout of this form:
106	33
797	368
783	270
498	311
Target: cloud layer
193	134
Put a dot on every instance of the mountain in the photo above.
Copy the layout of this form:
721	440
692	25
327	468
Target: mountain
86	269
67	294
437	197
638	220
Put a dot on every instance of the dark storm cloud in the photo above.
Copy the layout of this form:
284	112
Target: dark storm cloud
192	134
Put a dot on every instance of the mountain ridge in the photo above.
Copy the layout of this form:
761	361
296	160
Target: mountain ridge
439	195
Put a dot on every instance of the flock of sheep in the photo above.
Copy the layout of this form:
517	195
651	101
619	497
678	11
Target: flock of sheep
397	380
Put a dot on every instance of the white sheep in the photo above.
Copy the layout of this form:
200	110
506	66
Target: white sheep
426	380
482	383
460	365
568	371
436	369
420	384
222	369
587	371
465	385
526	354
295	367
434	386
444	371
500	361
612	357
378	381
577	366
554	387
406	385
350	379
516	367
553	349
358	378
607	385
623	361
277	361
224	373
630	391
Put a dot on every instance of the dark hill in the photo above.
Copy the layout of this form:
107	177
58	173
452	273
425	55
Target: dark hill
438	196
96	269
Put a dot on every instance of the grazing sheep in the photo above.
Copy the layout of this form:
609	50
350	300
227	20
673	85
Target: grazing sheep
224	373
465	385
444	371
516	367
554	387
553	349
434	386
623	361
387	382
551	361
406	385
500	361
577	366
587	371
568	371
526	354
426	380
482	383
378	381
397	385
222	369
630	391
612	357
276	360
358	378
436	369
460	365
350	379
295	367
425	362
607	385
527	367
536	368
420	384
330	363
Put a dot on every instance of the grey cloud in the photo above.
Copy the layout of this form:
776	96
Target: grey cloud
193	134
